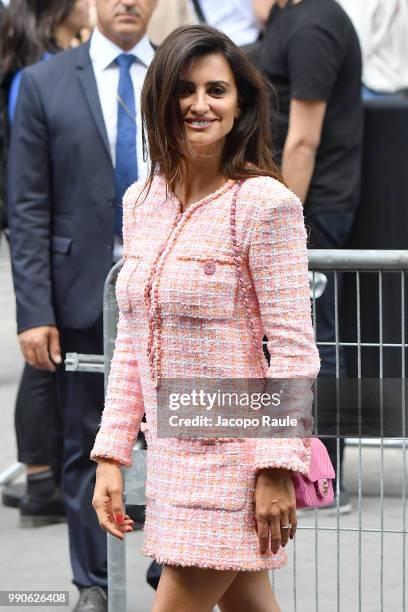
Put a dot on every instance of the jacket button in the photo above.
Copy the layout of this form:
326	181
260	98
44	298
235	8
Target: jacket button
209	267
109	247
111	202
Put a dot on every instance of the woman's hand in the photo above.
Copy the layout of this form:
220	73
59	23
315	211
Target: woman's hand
108	499
275	506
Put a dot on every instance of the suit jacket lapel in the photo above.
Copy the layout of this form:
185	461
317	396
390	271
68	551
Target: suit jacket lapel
87	79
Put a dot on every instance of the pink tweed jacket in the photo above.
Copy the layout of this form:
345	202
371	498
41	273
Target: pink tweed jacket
181	315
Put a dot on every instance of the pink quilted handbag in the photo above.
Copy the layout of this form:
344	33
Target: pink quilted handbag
315	489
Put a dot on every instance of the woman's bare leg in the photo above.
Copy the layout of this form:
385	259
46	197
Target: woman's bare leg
249	591
191	589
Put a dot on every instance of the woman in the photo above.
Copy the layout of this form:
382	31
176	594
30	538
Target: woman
211	503
34	30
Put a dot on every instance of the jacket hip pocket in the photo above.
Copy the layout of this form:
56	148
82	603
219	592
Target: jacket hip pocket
207	480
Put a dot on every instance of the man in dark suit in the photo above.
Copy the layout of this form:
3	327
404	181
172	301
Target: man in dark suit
70	161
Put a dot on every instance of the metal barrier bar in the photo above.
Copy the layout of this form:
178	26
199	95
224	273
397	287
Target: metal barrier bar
336	339
117	600
78	362
381	334
403	492
360	458
356	259
355	529
9	474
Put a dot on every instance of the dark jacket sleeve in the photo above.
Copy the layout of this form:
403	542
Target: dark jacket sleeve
29	211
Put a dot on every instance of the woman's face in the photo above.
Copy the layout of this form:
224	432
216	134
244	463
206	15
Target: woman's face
208	100
78	18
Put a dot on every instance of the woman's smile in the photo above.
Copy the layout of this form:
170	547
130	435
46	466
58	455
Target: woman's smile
201	123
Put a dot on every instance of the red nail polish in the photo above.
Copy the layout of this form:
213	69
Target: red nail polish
119	518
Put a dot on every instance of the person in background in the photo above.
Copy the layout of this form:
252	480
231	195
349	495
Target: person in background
236	18
34	30
169	15
75	147
382	26
311	55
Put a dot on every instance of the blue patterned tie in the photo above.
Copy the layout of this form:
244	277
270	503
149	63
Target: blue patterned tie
126	158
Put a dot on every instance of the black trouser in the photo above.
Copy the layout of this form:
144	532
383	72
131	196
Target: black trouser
81	402
329	231
37	424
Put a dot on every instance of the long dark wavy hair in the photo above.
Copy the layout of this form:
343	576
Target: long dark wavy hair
28	31
248	149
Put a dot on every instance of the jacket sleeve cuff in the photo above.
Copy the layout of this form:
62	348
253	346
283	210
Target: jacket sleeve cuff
288	453
114	445
25	325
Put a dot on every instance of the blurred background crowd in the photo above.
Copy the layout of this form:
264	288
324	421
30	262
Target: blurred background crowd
339	72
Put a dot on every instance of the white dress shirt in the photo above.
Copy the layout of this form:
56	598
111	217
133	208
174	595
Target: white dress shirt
103	53
236	18
382	26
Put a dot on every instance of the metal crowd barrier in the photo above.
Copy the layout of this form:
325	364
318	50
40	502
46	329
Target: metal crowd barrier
303	592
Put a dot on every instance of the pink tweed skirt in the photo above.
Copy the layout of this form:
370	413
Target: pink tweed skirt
221	538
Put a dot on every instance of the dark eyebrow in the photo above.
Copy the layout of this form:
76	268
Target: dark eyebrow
211	83
218	83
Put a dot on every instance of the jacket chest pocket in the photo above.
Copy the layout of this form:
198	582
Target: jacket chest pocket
200	286
206	480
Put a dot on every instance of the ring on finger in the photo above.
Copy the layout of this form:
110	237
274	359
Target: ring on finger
286	526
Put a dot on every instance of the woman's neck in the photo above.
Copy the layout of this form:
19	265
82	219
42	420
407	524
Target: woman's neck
199	180
63	36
